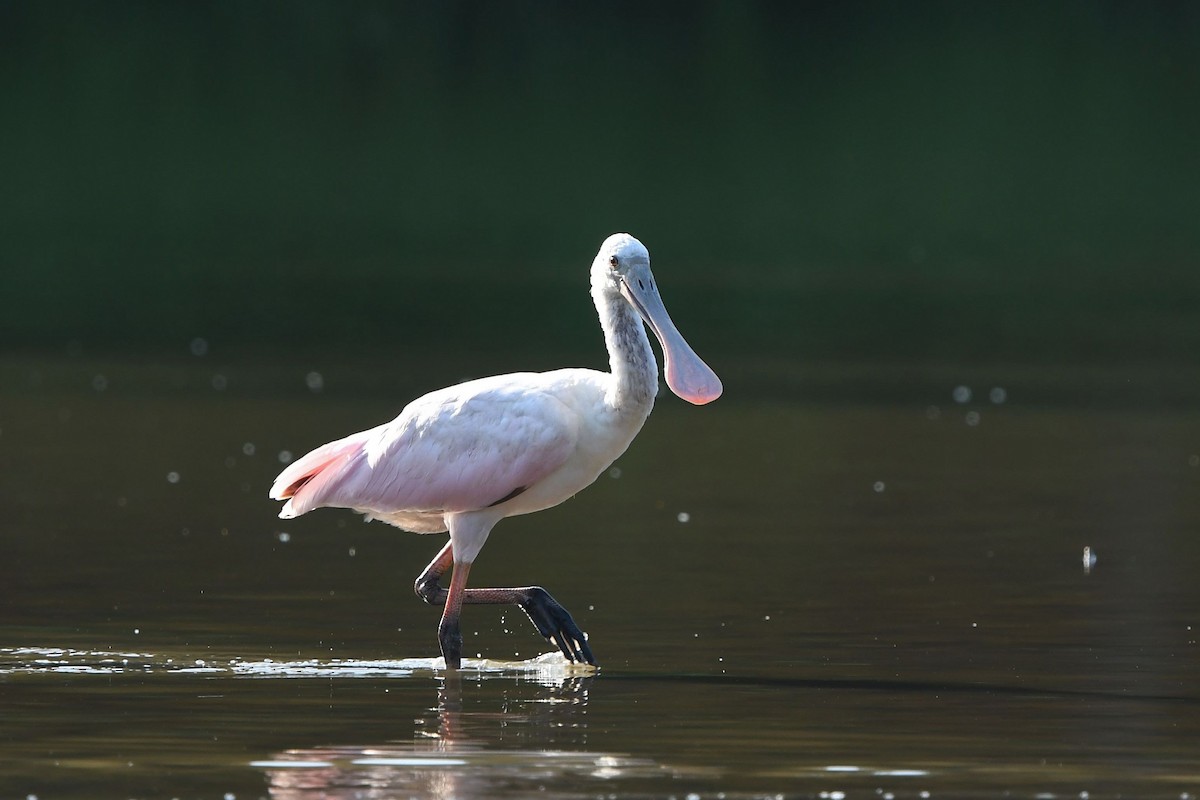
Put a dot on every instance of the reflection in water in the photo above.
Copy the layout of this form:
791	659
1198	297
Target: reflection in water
469	749
348	728
497	729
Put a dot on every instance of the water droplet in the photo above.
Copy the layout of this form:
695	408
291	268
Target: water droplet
962	394
99	383
997	395
137	631
285	456
614	473
683	516
1194	460
972	418
314	381
248	448
353	552
220	382
199	347
173	477
1089	560
230	462
879	486
284	537
932	412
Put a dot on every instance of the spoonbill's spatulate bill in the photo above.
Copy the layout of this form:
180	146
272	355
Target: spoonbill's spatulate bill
463	458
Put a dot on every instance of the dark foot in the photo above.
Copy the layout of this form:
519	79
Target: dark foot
451	642
554	623
429	590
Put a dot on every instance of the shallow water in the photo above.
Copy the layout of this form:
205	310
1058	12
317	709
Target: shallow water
860	585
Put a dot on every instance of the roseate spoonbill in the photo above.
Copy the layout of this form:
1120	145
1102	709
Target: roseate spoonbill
463	458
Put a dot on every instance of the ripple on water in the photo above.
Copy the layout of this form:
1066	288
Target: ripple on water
550	668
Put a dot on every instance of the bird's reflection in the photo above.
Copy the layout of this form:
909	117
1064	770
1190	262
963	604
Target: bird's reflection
529	738
531	715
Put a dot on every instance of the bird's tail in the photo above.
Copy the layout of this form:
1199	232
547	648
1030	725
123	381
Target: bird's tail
304	483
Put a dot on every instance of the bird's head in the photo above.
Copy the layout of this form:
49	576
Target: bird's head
622	270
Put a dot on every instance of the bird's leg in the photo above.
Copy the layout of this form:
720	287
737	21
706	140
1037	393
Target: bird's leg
428	586
449	631
547	615
429	589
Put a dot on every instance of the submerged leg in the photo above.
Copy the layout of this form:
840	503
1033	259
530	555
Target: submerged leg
549	617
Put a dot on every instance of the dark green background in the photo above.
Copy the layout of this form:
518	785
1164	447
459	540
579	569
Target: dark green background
962	181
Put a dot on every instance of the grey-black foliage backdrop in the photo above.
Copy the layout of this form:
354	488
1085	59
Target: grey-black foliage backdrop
943	180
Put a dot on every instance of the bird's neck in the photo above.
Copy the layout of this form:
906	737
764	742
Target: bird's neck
630	359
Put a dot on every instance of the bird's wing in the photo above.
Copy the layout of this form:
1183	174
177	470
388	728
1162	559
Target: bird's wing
458	449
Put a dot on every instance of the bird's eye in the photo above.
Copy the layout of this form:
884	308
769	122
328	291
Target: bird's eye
613	261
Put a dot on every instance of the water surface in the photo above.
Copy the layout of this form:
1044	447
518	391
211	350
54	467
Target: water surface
844	580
